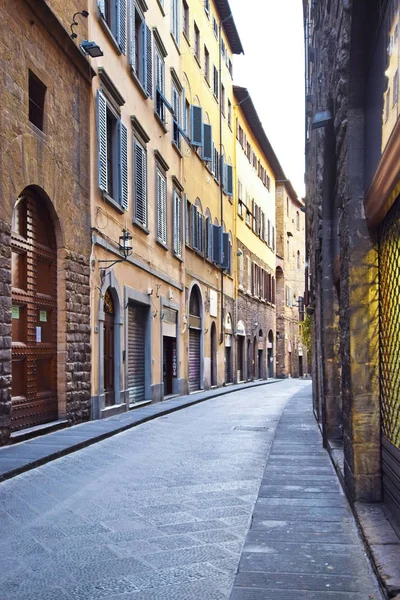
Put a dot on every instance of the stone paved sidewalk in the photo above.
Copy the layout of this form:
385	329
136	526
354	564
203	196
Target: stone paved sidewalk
303	542
21	457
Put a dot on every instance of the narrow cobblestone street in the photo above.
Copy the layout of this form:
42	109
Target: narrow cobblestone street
161	512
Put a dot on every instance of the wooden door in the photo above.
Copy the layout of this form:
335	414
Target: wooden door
34	314
109	391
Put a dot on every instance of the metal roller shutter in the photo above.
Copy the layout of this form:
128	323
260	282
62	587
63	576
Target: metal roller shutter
137	317
194	360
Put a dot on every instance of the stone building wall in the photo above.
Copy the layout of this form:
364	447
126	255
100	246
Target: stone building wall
54	163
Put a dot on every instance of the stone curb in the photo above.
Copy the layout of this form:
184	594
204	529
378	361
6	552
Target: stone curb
142	414
381	541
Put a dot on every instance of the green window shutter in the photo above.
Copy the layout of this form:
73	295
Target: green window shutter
207	142
197	125
140	184
229	180
123	165
178	245
102	140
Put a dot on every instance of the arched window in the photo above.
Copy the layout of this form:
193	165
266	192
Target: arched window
298	259
287	249
297	220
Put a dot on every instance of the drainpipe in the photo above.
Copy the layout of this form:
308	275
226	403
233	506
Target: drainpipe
221	198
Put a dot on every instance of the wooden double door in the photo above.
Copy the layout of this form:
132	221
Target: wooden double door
34	314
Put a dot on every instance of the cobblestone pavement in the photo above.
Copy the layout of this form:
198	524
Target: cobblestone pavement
157	512
161	511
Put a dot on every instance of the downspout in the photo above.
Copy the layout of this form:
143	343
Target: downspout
221	175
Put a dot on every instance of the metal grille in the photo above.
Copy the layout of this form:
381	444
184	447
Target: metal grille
389	270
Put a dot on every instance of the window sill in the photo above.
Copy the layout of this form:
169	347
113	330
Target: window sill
175	43
162	244
186	36
140	226
180	258
207	13
196	58
177	150
109	34
215	98
207	81
160	122
139	85
110	200
160	6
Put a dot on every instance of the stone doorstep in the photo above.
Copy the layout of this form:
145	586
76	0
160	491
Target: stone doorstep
163	408
381	540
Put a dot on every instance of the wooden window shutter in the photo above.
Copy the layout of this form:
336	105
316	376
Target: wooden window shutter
123	164
217	244
132	40
226	258
102	140
121	24
207	142
140	185
197	125
222	171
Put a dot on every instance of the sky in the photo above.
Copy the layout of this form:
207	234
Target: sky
272	69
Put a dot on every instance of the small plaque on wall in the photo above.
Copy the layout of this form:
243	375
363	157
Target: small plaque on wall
15	312
213	303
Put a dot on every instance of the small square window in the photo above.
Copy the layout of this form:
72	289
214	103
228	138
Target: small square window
37	94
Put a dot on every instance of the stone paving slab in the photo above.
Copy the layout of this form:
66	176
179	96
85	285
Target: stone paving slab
23	456
303	542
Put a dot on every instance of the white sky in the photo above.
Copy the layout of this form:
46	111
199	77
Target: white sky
272	69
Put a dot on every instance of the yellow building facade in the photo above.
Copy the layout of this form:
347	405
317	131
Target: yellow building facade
255	234
161	200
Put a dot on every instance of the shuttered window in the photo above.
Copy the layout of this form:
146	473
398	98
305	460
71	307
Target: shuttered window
178	233
175	19
161	207
207	142
112	152
229	180
159	67
176	106
196	119
114	13
140	184
215	82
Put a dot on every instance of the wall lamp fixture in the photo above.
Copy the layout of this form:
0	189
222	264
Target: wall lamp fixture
83	13
239	252
124	247
91	49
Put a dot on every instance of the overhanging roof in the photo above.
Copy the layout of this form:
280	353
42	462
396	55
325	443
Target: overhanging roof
231	32
246	104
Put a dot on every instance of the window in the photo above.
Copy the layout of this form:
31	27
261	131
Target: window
207	7
215	27
114	13
223	49
140	184
161	206
229	113
175	19
196	42
287	249
178	233
223	100
298	259
176	105
37	94
187	117
206	64
113	152
297	220
160	82
186	19
141	51
230	67
215	87
287	206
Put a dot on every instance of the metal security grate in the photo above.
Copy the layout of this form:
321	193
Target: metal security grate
389	269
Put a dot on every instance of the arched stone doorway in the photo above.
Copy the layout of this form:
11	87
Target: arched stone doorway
270	354
34	312
109	350
195	339
214	377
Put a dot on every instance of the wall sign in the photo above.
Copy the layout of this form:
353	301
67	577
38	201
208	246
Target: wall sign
15	312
